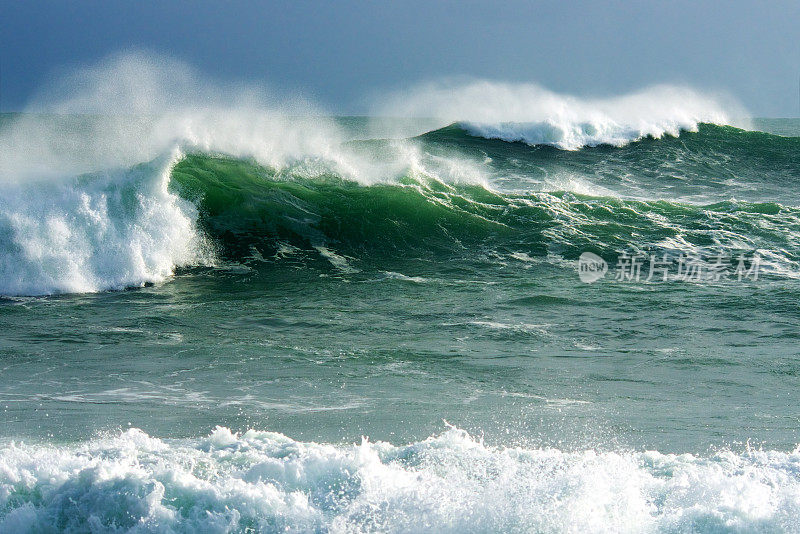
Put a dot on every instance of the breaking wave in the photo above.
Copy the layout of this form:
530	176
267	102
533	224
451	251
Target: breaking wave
130	227
227	169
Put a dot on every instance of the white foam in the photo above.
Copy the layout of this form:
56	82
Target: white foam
449	483
392	275
531	114
114	229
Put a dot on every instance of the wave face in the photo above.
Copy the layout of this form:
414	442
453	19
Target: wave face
443	195
244	204
267	482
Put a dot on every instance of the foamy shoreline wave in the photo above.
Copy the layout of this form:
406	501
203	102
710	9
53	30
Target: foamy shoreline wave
267	482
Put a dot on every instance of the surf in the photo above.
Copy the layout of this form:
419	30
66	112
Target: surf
451	482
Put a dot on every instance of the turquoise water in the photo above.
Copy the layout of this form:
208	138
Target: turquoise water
434	310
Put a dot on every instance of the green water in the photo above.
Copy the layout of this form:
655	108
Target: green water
525	354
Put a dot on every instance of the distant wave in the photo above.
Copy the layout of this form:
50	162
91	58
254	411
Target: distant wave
715	139
531	114
267	482
572	136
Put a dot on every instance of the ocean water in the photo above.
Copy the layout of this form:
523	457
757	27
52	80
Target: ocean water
239	322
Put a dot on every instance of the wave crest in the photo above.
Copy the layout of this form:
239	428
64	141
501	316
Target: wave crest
574	135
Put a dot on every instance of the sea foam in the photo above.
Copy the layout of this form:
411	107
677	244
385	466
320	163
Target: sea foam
267	482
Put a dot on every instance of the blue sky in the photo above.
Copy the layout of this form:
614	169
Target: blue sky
341	53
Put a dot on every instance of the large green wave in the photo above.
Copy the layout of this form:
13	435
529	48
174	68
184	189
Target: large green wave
244	205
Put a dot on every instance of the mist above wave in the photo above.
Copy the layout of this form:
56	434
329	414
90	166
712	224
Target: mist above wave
134	107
